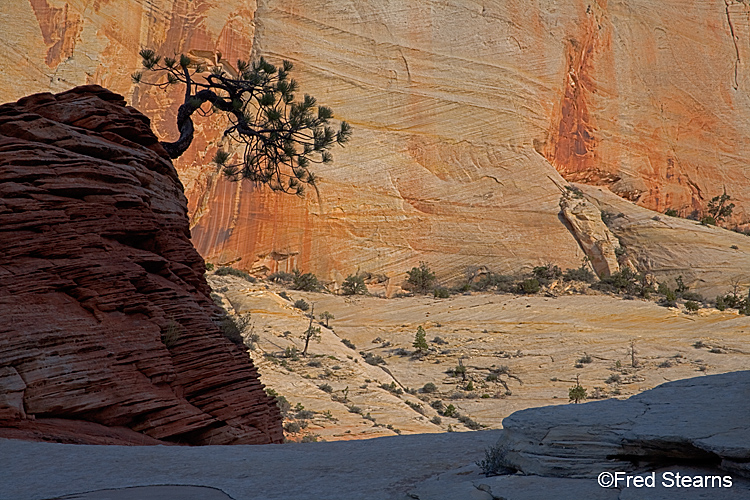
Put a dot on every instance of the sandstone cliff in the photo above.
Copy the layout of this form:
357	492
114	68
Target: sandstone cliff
456	106
106	315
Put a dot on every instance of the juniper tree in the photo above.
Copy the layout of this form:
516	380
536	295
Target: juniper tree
280	137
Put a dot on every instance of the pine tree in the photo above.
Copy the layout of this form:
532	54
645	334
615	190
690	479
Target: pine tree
420	341
281	136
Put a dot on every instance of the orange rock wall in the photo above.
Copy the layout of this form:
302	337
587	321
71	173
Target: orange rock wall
458	108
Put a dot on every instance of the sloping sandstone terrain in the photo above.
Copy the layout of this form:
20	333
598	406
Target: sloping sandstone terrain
107	332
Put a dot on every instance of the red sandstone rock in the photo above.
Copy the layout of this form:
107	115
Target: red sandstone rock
95	265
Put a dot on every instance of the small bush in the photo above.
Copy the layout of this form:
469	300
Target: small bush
281	277
348	343
227	270
310	438
671	212
209	267
441	293
492	377
307	282
494	462
439	341
450	411
171	334
421	278
292	427
721	305
301	304
233	326
665	364
695	297
459	371
546	274
613	379
373	359
416	407
469	423
354	409
530	286
429	388
583	273
326	388
305	414
692	306
577	393
586	359
436	420
354	285
494	281
315	363
392	388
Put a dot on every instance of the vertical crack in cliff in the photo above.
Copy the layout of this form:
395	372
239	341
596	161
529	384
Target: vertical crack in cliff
737	61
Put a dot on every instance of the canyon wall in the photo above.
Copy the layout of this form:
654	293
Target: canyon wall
108	332
467	116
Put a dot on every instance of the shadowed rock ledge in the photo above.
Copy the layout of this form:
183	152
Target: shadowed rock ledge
107	332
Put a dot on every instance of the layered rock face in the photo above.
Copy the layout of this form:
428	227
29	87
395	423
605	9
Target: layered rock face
106	316
462	113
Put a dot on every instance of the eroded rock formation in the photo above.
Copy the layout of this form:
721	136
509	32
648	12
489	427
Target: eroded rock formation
106	315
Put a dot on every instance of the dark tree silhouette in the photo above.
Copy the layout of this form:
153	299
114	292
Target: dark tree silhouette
281	136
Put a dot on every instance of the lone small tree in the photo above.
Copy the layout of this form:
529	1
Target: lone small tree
577	393
420	341
718	209
281	136
326	316
312	332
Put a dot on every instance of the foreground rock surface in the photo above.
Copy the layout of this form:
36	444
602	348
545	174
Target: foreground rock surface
107	333
703	420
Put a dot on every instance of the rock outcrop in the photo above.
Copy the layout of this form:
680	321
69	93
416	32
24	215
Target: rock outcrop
454	104
699	420
710	259
106	315
586	224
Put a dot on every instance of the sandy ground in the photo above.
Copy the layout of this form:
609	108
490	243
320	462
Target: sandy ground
518	351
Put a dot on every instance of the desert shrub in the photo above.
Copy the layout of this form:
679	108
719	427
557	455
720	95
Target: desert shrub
546	273
441	293
494	461
469	423
281	277
665	364
492	377
307	282
301	304
694	296
415	406
439	341
315	363
354	285
171	334
721	305
577	393
373	359
583	273
671	212
233	326
303	414
354	409
625	281
458	371
228	270
613	379
326	388
450	411
470	386
209	267
310	438
291	352
438	405
348	343
292	427
392	388
421	278
530	286
494	281
429	388
436	420
692	306
586	359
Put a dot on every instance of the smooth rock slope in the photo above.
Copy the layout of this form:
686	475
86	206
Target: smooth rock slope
107	331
